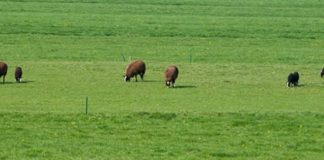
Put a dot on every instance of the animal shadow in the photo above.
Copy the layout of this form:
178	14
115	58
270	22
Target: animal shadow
27	81
7	82
185	86
14	82
151	81
311	85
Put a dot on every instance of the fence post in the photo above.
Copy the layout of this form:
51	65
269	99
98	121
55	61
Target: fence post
123	57
86	105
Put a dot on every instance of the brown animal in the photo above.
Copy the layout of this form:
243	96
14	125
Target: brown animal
3	70
133	69
18	74
170	76
322	73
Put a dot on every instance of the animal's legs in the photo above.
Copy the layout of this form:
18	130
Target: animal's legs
142	76
173	84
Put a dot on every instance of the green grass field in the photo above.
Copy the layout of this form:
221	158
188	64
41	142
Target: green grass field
231	99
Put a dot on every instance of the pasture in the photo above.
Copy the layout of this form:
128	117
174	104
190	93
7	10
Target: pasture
231	99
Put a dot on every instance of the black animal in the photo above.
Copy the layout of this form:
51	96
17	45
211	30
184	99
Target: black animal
322	73
18	74
133	69
170	76
3	70
293	79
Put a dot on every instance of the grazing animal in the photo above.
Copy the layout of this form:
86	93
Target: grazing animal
170	76
293	79
3	70
322	73
18	74
133	69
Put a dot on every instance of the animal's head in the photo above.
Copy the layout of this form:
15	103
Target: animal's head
322	73
126	78
167	83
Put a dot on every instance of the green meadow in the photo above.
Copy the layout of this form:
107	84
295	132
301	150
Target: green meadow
230	100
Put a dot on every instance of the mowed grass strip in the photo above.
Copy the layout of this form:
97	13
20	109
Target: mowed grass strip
248	19
161	49
161	135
